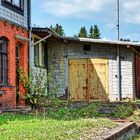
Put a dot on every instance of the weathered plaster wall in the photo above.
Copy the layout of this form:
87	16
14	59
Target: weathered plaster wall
59	54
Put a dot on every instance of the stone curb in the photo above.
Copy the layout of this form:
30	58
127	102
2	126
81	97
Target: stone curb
127	130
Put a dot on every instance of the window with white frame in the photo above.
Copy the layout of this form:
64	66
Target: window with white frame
17	3
14	5
40	54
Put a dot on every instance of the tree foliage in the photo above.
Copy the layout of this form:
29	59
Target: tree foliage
91	34
58	29
83	32
125	39
96	32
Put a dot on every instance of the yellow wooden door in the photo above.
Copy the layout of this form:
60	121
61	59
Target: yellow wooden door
78	79
98	79
88	79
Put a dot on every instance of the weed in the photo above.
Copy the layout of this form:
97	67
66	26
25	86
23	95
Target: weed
123	111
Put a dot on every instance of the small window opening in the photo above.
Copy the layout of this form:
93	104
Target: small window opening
87	47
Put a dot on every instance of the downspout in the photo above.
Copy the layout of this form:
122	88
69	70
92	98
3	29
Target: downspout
30	31
119	74
118	55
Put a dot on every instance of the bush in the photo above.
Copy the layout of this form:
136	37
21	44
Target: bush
124	111
36	86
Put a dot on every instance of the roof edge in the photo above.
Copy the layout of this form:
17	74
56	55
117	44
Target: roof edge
91	40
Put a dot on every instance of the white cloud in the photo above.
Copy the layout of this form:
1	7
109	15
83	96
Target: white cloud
101	9
131	11
75	8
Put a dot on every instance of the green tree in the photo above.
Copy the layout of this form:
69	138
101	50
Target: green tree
125	39
58	29
96	32
91	32
83	32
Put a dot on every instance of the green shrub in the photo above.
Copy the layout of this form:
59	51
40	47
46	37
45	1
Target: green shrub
36	86
123	110
67	113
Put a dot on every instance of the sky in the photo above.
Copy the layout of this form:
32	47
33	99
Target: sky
73	14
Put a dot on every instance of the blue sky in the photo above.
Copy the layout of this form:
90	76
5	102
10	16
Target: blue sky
72	14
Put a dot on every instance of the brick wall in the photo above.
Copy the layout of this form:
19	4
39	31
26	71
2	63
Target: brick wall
8	98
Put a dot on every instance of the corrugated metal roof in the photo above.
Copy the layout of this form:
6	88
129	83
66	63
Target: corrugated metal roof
46	31
91	40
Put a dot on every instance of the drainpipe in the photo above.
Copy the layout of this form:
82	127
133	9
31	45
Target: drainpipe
30	30
118	54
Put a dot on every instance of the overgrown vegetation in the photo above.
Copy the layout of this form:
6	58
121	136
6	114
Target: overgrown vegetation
65	110
70	113
36	86
63	121
37	127
124	111
137	137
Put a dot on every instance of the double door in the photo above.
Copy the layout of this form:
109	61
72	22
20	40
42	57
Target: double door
88	79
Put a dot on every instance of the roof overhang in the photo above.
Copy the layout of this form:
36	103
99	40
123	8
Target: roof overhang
43	32
100	41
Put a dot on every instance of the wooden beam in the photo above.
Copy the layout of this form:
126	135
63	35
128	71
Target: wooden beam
134	50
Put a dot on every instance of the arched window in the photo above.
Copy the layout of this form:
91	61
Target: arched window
3	62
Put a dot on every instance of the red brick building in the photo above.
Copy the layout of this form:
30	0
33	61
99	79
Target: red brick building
14	34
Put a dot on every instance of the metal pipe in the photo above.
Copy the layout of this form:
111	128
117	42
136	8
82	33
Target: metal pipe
118	53
30	32
30	44
118	20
